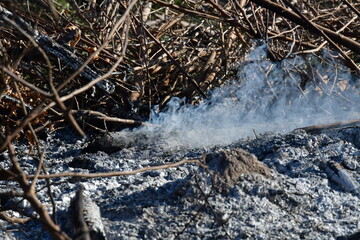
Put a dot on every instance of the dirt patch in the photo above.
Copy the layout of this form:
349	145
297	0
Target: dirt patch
231	164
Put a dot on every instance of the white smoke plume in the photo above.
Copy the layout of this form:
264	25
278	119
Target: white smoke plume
266	96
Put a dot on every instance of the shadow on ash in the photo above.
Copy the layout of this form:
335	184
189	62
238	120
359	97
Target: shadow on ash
279	184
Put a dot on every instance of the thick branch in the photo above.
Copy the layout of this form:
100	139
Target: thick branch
336	37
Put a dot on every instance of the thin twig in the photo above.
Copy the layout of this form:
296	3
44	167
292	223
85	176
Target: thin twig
177	64
116	174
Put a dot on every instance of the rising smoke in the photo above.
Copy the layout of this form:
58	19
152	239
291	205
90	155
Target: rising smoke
266	96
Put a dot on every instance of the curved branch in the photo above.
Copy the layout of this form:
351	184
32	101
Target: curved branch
116	174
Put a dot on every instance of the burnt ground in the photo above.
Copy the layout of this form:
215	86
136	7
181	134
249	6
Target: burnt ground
306	186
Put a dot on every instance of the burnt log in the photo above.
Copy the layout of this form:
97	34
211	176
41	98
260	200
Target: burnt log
55	49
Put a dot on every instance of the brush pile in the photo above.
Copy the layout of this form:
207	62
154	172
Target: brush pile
147	53
99	66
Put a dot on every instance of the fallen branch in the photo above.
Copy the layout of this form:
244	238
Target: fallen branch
116	174
9	219
102	116
321	127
